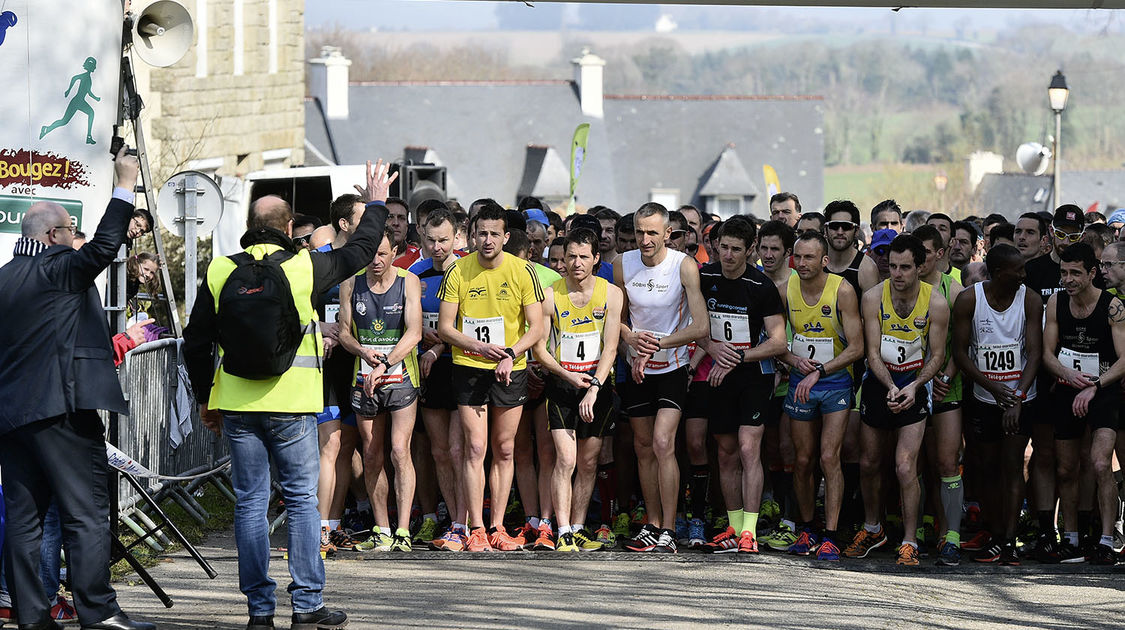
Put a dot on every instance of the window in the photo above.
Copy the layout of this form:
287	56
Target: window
667	197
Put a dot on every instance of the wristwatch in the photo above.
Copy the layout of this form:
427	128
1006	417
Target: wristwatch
820	369
594	382
1020	394
944	378
511	353
741	354
386	363
1097	381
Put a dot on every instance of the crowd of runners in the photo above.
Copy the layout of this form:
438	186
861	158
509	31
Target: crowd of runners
665	380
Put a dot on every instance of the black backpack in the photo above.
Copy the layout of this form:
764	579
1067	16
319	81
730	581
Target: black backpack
259	327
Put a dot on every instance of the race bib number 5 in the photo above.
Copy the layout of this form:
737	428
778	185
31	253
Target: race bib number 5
1084	362
901	355
484	330
731	328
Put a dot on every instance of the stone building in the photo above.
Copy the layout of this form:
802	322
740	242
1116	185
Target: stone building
234	103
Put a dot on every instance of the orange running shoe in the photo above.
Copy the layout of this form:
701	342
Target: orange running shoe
545	541
525	534
326	546
746	543
865	542
501	541
907	555
724	542
451	540
478	541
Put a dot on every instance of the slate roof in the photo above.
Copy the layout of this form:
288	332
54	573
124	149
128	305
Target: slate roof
483	130
728	177
1012	194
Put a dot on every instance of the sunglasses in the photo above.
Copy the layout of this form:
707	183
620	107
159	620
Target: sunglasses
881	250
1106	264
677	234
840	225
1070	237
302	240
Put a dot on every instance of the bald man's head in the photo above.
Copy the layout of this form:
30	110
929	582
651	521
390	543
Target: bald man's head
270	211
44	222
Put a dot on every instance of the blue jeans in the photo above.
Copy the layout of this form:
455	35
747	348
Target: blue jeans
290	441
51	549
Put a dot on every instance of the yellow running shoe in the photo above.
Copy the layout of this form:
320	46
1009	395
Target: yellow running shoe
567	543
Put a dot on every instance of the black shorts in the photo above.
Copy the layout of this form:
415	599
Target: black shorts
1102	413
386	399
947	406
1045	396
476	386
874	412
562	410
775	406
657	391
437	389
535	401
984	421
339	375
695	405
740	401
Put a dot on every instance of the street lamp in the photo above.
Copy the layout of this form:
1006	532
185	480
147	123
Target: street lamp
1057	95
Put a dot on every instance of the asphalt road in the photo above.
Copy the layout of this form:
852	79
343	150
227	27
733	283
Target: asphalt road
431	589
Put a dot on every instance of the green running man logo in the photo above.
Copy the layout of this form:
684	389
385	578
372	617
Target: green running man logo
78	103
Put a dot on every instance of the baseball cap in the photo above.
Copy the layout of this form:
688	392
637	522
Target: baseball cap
882	238
1118	216
1069	215
535	214
588	222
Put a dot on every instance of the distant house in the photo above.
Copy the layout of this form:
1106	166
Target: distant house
1012	194
507	139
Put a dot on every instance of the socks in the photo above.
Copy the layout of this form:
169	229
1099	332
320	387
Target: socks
952	497
735	518
323	524
749	523
460	527
333	523
1107	541
565	529
576	527
700	479
874	529
363	505
830	534
1072	538
432	516
533	521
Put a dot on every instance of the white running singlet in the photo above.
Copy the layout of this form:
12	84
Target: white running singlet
657	304
997	345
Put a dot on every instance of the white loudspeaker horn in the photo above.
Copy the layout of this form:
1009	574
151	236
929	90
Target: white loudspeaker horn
162	33
1033	158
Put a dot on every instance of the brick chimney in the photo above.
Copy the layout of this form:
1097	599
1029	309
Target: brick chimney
328	76
588	70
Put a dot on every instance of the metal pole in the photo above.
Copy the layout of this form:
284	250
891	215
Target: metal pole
191	227
1058	133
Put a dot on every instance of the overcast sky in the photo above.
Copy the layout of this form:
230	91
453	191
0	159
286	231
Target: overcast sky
475	15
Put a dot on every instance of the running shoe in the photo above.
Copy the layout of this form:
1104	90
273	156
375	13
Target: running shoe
828	551
567	542
697	533
545	539
865	542
621	525
63	612
805	545
682	530
606	537
1009	557
478	541
949	555
526	533
780	539
725	542
501	541
451	540
427	532
666	543
980	541
971	520
643	541
1069	554
5	614
342	540
1102	555
326	546
746	543
907	556
377	541
401	543
1046	548
639	517
769	510
990	554
586	541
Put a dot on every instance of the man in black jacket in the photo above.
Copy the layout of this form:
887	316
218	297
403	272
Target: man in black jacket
56	371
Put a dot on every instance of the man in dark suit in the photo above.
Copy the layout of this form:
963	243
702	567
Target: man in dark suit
56	371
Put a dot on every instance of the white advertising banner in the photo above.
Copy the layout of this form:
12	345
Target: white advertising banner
60	71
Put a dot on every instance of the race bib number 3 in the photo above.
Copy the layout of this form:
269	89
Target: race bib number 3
393	375
731	328
580	352
901	355
1000	362
484	330
819	349
1084	362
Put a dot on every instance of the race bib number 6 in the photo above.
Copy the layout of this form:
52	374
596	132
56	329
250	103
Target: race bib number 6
732	328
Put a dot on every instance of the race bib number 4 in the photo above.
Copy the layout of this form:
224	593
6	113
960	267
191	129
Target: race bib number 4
819	349
731	328
393	375
901	355
1084	362
484	330
1000	362
580	352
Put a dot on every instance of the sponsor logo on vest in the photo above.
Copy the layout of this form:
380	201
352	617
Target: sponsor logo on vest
578	321
378	325
900	328
817	327
827	310
361	308
478	293
599	313
246	291
920	322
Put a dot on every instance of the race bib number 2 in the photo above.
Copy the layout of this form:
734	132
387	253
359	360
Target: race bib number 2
484	330
819	349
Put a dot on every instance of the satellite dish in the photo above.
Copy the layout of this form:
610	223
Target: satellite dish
1033	158
162	33
172	203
